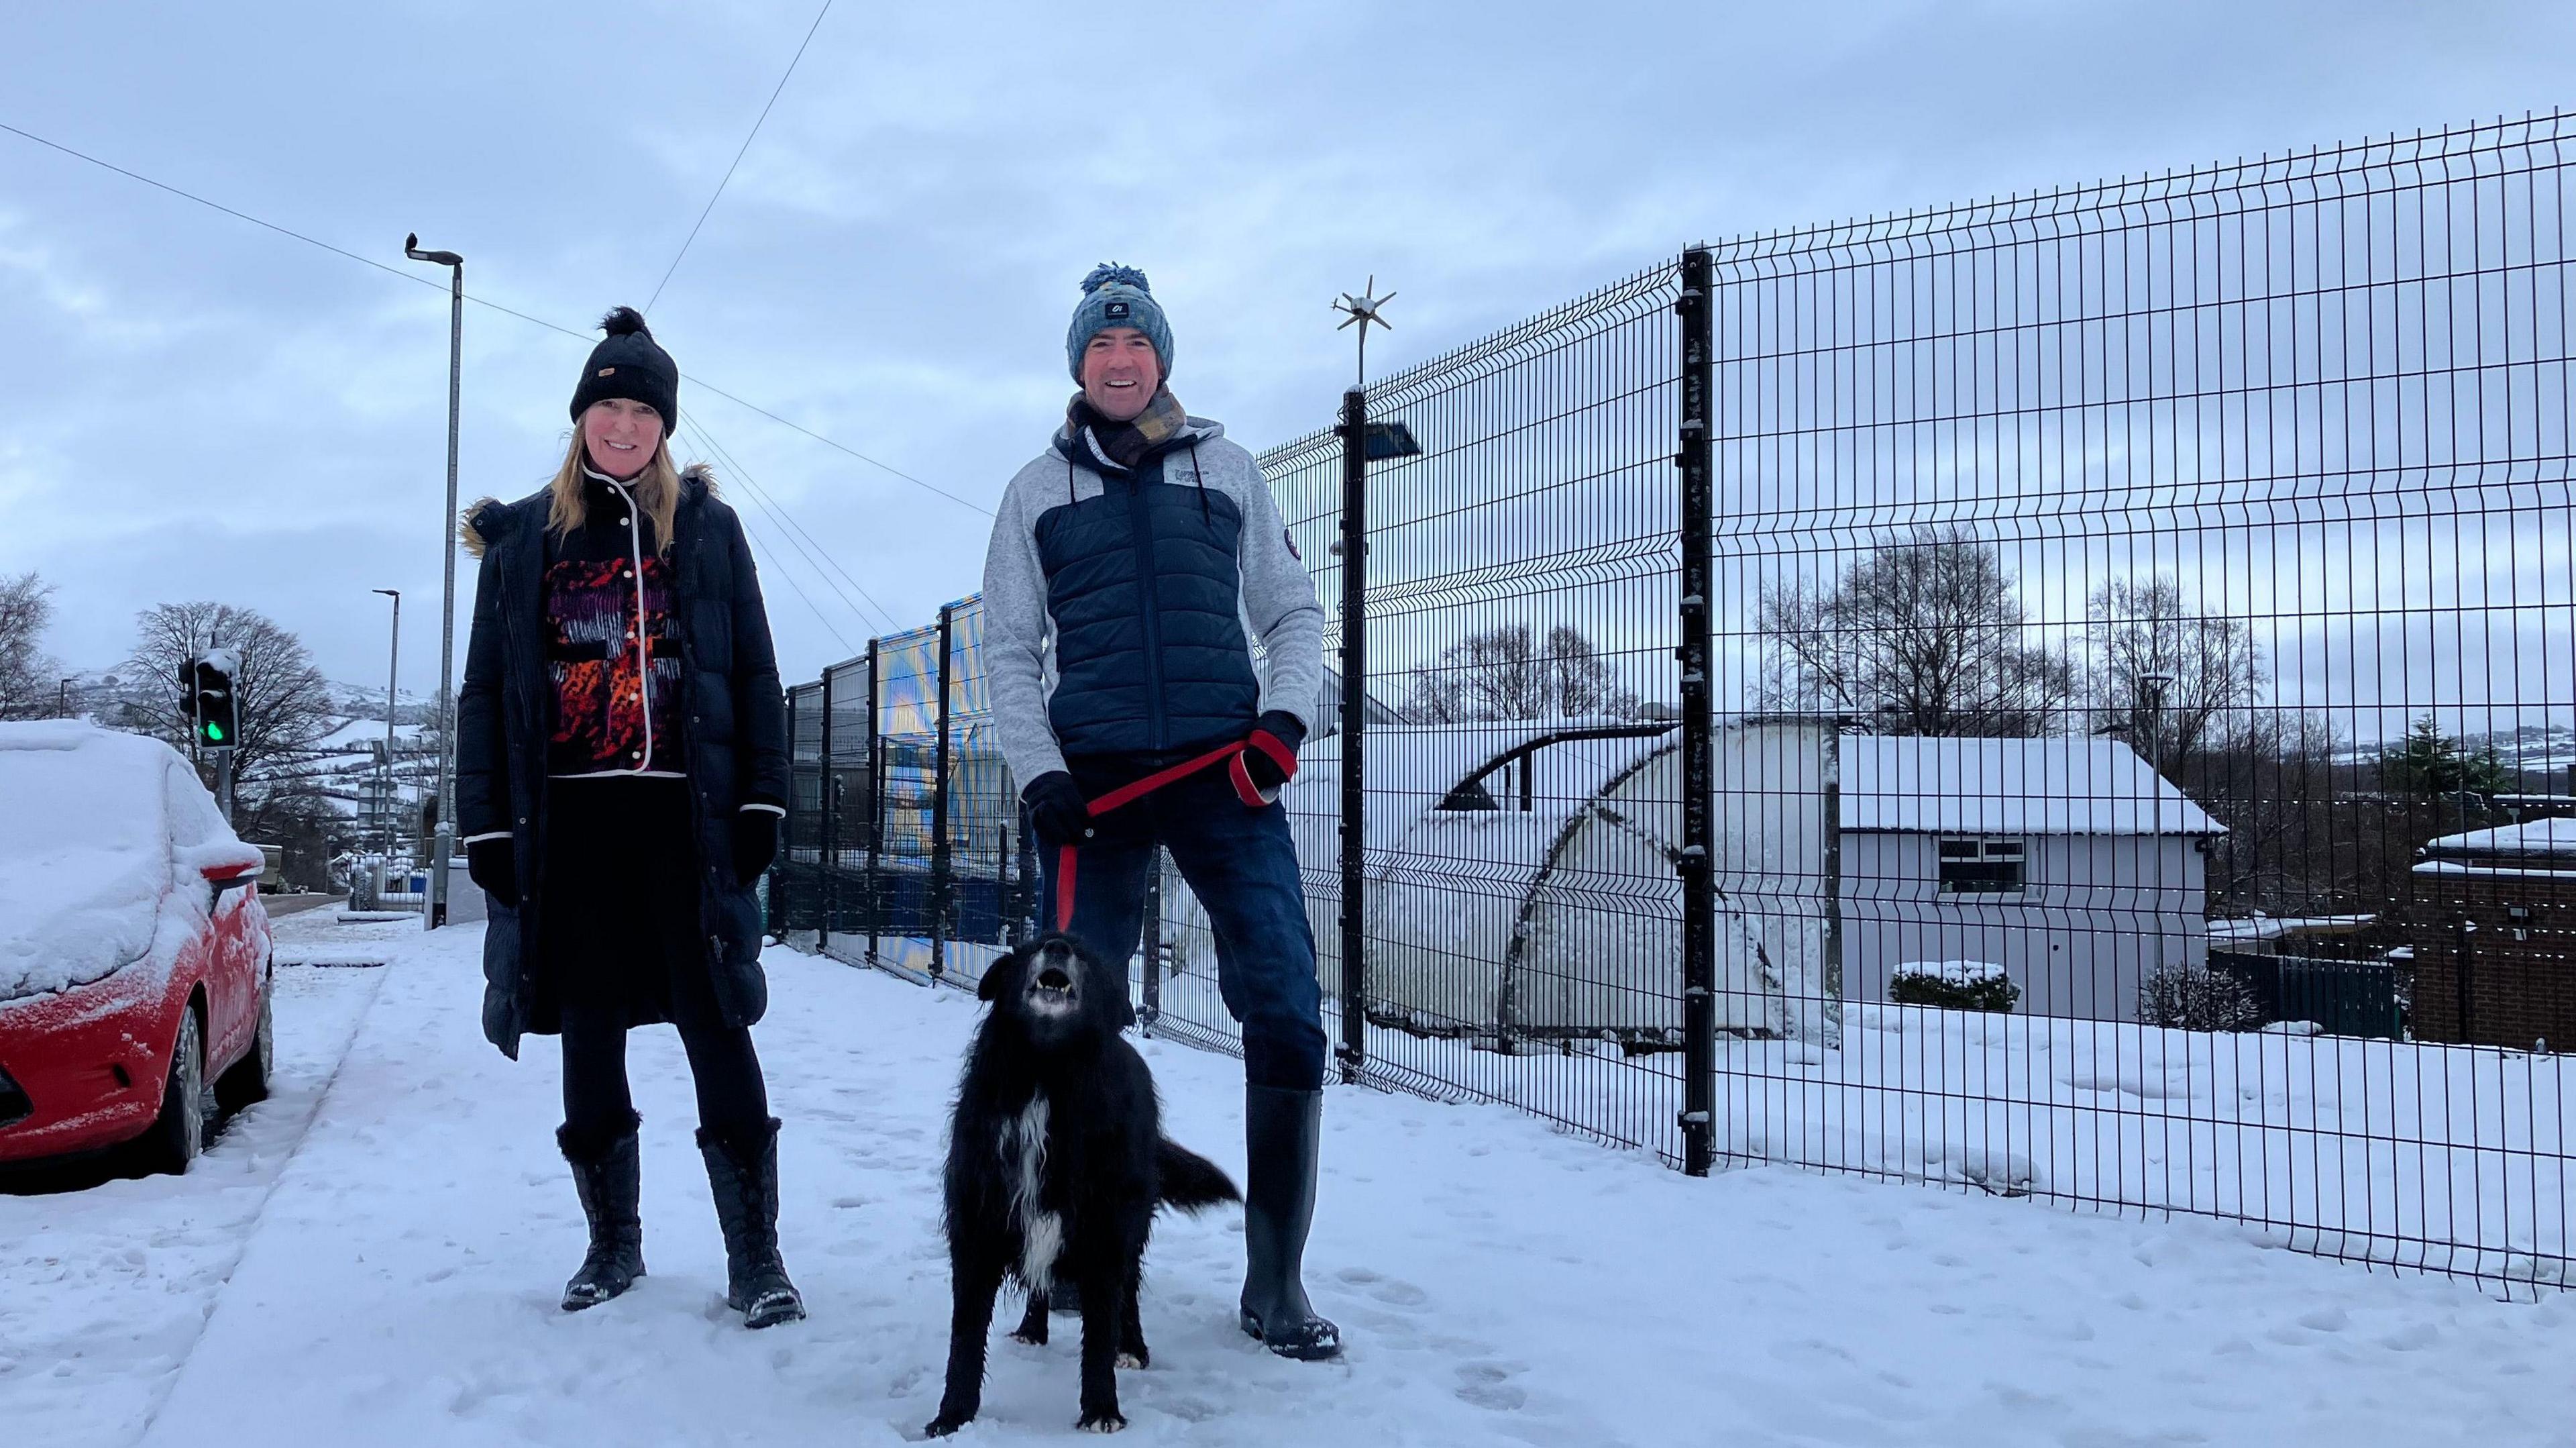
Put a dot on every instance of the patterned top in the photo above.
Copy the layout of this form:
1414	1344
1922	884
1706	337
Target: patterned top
612	645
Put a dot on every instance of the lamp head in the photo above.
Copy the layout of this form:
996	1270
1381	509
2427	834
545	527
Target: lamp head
411	248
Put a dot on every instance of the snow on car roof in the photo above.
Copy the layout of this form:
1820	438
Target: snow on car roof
85	852
2010	787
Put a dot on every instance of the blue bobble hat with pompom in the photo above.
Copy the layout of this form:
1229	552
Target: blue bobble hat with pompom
1117	296
628	363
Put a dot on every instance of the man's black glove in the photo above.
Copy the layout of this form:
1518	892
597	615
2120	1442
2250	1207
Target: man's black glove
1269	758
1057	809
490	864
755	843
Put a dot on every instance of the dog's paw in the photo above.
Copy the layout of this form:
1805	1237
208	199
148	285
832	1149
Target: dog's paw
1135	1360
1026	1338
1101	1423
943	1425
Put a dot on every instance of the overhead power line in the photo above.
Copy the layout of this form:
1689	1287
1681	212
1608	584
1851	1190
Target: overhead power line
416	278
710	207
816	557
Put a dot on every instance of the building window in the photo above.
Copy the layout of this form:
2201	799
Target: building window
1981	867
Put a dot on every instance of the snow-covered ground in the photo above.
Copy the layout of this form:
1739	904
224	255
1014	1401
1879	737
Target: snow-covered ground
105	1288
387	1274
2457	1158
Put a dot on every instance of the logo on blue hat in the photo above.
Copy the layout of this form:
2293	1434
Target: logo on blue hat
1119	311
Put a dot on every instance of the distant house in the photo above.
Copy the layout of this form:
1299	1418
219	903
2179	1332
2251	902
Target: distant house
2069	862
2494	930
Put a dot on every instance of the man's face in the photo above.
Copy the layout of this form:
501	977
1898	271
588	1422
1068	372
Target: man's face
1120	373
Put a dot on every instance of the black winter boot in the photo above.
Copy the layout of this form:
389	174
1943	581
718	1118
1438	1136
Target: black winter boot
609	1176
1282	1131
742	1166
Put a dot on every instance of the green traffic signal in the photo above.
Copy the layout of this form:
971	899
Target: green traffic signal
214	734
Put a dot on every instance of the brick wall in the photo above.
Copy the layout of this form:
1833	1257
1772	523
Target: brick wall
2515	973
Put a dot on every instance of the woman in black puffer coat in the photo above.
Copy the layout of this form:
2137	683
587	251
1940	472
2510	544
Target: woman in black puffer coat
621	776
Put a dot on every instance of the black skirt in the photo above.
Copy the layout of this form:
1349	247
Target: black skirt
619	930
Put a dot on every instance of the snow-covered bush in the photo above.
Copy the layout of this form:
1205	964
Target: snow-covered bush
1955	985
2180	998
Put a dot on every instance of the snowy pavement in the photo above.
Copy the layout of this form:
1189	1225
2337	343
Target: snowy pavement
105	1289
1498	1283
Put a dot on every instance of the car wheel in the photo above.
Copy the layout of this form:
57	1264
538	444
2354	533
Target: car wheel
247	1081
178	1134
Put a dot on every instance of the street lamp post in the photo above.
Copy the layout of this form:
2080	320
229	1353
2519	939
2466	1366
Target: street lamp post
436	914
393	670
2154	686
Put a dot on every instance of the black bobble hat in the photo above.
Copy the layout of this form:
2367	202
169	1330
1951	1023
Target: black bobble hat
628	363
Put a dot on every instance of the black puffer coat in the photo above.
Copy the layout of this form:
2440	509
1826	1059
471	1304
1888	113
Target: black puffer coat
735	727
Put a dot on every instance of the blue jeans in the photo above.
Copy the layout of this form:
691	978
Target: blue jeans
1242	865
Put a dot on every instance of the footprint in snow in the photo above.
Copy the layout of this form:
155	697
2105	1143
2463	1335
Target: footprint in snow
1490	1386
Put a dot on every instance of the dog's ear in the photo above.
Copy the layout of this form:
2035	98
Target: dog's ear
991	984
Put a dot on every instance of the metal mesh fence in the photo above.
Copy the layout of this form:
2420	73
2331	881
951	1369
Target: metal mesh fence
2186	562
2069	697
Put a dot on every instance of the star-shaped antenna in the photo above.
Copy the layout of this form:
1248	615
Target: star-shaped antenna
1364	312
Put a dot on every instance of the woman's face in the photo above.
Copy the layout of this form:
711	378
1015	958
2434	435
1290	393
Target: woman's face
621	435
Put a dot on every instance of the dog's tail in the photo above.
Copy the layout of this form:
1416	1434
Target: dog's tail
1191	1182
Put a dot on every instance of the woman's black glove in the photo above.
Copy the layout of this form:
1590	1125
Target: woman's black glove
490	864
755	843
1057	809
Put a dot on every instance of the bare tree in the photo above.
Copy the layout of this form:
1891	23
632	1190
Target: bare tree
282	700
1923	636
30	683
2295	843
1505	673
2173	681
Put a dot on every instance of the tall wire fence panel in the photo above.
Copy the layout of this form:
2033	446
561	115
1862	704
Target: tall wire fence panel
906	848
1513	896
2179	561
2071	697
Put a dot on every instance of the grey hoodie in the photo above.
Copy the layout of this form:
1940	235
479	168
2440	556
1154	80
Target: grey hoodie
1277	597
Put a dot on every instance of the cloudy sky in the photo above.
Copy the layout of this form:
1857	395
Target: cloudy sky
194	407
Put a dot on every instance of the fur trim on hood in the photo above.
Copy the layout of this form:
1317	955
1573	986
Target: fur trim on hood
486	519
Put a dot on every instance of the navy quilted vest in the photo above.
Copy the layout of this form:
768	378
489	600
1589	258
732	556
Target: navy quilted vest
1143	588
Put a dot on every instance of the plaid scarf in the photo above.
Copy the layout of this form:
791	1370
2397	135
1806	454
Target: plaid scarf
1129	444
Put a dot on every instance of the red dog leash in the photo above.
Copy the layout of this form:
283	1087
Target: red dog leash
1127	794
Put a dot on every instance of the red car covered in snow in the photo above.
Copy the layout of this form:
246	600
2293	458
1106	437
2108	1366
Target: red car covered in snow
134	952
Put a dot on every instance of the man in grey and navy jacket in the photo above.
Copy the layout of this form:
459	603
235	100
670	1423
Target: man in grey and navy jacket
1126	565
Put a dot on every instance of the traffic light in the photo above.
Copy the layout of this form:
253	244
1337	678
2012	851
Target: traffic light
209	705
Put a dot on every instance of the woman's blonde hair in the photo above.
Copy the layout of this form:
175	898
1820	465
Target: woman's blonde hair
656	490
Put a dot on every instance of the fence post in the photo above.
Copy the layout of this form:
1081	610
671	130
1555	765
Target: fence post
1031	921
1697	865
782	895
1153	934
1354	917
939	858
876	809
829	891
1831	826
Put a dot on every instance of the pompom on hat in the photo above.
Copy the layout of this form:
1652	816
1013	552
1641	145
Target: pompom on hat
1117	296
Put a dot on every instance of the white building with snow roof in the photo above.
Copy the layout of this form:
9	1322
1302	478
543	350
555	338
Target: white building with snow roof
2069	862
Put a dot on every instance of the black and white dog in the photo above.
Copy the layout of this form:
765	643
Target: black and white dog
1056	1163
